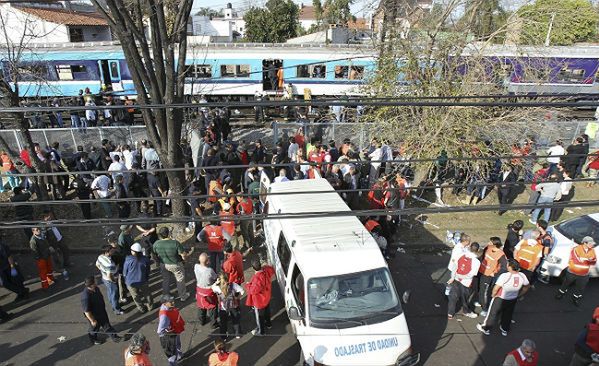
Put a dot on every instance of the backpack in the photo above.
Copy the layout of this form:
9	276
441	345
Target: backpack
464	265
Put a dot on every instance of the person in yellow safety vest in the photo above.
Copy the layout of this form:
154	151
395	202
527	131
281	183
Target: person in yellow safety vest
137	352
528	253
582	257
493	263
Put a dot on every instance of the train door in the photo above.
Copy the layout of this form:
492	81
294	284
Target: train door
272	74
111	74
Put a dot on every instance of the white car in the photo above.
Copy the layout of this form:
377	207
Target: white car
566	235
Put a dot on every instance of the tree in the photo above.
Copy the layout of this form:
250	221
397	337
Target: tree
332	12
277	22
422	62
156	59
571	21
490	16
209	12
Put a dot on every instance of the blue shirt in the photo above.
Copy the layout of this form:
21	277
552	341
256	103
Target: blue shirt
164	322
136	270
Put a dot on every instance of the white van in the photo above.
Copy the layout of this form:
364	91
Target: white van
338	291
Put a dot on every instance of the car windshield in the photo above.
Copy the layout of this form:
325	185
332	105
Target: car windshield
578	228
358	298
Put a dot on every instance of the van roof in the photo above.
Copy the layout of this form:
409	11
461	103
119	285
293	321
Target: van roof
327	245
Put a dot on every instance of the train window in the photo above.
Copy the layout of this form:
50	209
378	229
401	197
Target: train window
78	68
341	72
114	70
32	72
64	72
198	71
235	71
318	71
284	253
356	73
569	75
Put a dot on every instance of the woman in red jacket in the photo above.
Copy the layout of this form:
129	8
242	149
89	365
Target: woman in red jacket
259	291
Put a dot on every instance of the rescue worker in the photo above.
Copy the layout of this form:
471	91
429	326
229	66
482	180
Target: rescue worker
170	327
259	291
375	229
221	357
494	263
227	222
528	253
582	257
376	195
43	257
233	264
586	349
510	286
245	207
216	237
467	266
137	352
525	355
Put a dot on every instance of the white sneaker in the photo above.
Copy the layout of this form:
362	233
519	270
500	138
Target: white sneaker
483	313
255	332
482	330
185	296
503	331
477	304
471	315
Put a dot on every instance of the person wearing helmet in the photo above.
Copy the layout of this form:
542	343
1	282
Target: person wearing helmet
137	352
136	271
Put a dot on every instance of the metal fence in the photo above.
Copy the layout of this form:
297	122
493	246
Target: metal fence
358	133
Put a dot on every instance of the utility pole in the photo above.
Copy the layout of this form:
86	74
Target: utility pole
548	38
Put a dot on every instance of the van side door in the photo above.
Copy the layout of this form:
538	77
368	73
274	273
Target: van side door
295	296
282	259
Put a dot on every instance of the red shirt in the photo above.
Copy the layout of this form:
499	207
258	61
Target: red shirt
259	288
25	157
233	266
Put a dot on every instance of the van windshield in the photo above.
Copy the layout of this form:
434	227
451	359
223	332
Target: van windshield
353	299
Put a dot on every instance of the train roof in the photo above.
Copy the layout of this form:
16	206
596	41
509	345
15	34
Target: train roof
320	242
575	51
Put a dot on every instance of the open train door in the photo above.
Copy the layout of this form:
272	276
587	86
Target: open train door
271	73
110	72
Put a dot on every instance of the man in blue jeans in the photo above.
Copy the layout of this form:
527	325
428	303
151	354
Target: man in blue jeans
549	191
108	270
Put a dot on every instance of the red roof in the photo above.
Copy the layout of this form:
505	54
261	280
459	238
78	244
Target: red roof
66	17
307	13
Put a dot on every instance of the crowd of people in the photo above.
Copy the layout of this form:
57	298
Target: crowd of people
378	177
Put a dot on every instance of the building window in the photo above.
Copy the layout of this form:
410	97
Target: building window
318	71
76	34
235	71
198	71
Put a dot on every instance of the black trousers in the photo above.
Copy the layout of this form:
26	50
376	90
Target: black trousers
14	284
234	314
207	314
579	282
247	232
503	196
500	308
458	295
86	210
262	319
485	285
124	210
158	206
103	327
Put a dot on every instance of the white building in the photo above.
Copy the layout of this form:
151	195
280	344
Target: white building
51	22
307	16
212	29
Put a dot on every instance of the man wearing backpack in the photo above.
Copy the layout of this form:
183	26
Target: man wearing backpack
509	287
466	268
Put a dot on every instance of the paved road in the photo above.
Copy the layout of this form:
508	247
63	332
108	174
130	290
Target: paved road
34	337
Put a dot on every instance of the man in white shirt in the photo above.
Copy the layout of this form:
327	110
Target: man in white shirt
101	189
118	168
108	270
466	268
555	154
457	251
508	288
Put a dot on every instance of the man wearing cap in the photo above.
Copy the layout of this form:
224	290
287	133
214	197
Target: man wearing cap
582	257
92	304
586	349
171	255
170	327
137	274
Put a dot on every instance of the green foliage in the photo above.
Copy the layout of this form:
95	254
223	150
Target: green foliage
487	17
278	21
574	21
331	12
208	12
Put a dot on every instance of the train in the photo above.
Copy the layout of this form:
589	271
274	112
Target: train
246	70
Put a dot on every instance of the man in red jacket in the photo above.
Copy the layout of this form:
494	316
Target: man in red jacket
258	296
233	264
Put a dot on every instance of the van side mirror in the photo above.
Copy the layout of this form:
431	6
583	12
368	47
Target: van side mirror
294	314
405	297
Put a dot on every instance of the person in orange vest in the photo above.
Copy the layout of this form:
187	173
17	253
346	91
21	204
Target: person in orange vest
215	188
528	253
227	221
233	264
376	195
525	355
215	236
376	230
586	349
582	257
170	327
494	263
137	352
221	357
245	207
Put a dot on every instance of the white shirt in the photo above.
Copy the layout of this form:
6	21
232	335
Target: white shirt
128	156
456	253
556	151
280	179
376	155
565	186
510	285
119	169
90	113
466	279
101	183
106	267
292	151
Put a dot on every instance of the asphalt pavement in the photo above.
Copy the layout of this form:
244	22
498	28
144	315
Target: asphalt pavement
50	328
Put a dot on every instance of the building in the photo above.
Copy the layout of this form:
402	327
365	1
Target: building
405	9
228	28
307	16
51	22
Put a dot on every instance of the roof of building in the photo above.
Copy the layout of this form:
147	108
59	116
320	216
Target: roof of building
66	17
359	23
307	13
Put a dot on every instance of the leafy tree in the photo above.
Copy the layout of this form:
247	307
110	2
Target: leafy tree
573	21
490	17
277	22
332	12
208	12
